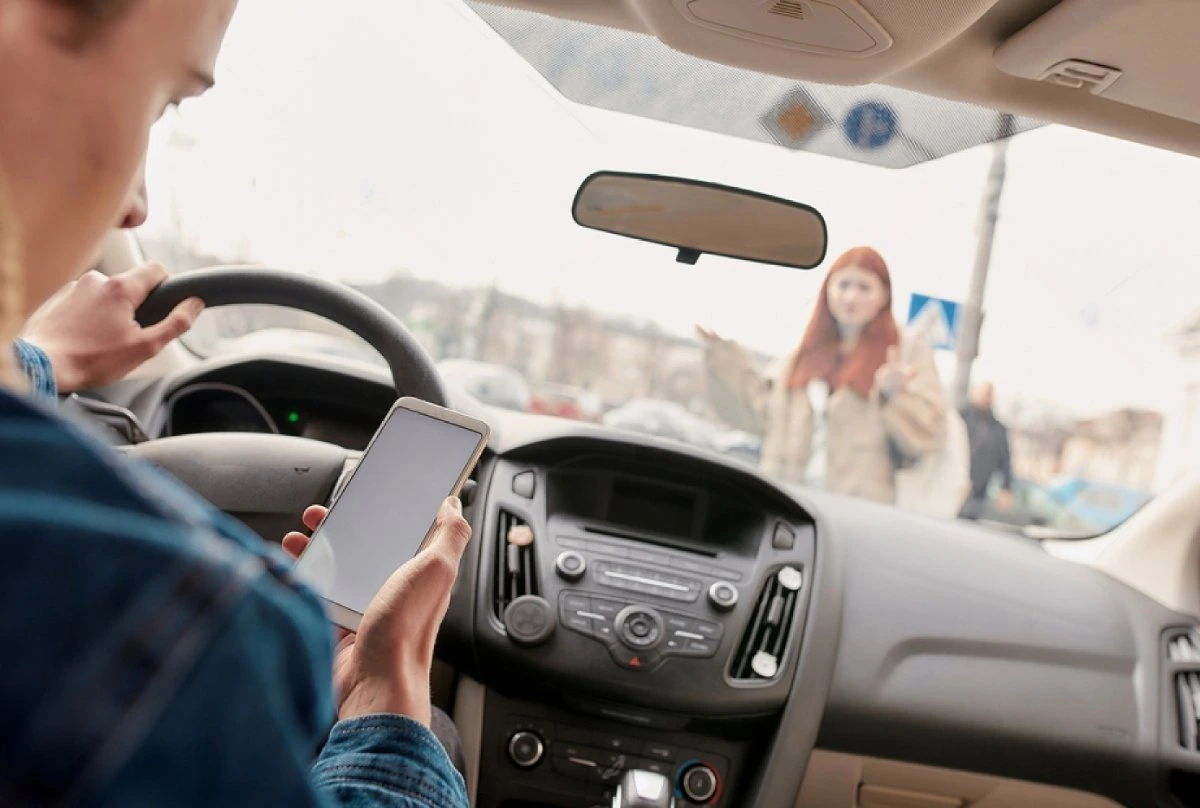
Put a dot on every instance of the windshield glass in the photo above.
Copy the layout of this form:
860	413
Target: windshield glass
408	150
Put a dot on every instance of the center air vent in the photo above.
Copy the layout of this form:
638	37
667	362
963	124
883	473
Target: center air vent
516	572
1184	649
761	650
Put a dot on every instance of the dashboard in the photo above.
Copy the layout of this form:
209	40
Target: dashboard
678	612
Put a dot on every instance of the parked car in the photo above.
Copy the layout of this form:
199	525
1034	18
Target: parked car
1071	505
564	401
739	445
664	419
1105	505
494	385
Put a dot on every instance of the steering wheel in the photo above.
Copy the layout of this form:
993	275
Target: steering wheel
268	480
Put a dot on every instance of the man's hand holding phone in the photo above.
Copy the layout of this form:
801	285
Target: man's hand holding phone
385	666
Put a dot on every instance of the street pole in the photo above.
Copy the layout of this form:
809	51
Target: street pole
972	309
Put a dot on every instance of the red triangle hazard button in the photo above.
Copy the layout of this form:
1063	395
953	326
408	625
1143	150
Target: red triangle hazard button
634	662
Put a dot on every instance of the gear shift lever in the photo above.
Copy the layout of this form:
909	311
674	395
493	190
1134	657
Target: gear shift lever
642	789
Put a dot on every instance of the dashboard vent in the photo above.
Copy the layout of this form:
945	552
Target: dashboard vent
1184	649
516	572
760	652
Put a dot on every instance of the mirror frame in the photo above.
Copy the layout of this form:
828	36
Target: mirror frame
688	255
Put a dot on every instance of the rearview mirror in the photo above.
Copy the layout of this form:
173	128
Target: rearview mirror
700	218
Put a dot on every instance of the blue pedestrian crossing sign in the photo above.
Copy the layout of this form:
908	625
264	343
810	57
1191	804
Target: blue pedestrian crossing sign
936	318
870	125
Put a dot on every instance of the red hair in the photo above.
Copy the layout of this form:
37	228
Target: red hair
820	355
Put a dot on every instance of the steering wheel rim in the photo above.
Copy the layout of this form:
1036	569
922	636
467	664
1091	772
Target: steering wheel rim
266	481
413	371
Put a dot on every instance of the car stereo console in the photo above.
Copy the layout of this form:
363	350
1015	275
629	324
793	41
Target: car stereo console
633	624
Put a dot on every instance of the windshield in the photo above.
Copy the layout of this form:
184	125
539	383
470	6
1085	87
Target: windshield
415	151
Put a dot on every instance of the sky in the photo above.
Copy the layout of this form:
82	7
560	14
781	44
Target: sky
355	138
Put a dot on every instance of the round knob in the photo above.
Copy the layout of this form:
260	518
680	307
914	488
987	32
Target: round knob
723	595
529	620
570	565
790	579
525	749
699	783
639	627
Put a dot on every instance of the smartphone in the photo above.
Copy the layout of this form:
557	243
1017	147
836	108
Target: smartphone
385	512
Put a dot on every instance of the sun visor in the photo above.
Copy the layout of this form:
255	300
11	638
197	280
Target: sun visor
1137	52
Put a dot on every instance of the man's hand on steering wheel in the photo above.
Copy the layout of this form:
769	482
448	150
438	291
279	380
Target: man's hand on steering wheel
385	667
89	332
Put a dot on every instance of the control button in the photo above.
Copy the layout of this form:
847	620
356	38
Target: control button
571	734
639	627
647	581
608	608
711	631
700	648
723	595
699	783
616	743
657	766
576	622
790	578
633	659
728	575
575	768
659	751
525	749
602	629
524	484
564	749
570	565
572	602
611	768
784	538
677	623
529	620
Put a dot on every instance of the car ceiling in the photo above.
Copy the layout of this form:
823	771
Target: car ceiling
991	53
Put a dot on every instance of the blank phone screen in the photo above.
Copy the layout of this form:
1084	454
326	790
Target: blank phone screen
387	507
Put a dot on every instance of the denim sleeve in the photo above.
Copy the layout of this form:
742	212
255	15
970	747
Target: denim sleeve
37	368
387	760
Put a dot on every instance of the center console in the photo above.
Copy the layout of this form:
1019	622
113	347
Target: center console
625	623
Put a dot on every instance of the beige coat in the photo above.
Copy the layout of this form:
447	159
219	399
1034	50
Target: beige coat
858	459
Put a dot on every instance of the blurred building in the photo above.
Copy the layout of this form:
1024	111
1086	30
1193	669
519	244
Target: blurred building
1181	431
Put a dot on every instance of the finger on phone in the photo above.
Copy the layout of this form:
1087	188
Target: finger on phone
451	532
313	516
294	543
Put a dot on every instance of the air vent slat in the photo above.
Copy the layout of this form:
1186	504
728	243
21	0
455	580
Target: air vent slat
761	650
516	570
1185	649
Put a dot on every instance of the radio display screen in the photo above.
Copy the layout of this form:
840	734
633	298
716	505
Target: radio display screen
661	509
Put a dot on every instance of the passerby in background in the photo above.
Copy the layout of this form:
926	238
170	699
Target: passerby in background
990	453
852	404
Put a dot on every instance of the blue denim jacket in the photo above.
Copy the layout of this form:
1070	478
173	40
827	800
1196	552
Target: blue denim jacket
156	653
